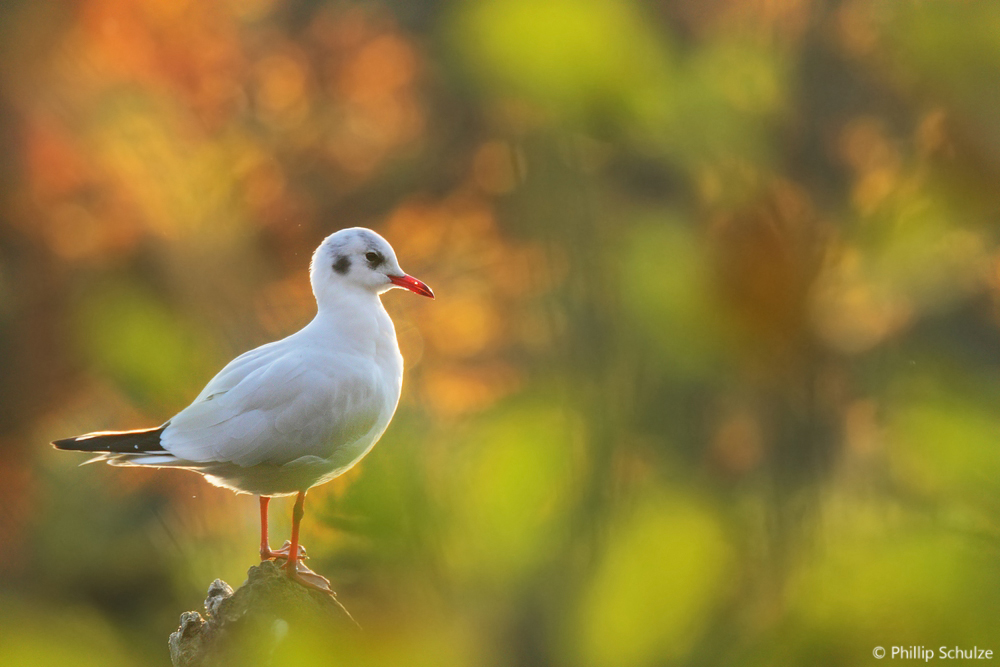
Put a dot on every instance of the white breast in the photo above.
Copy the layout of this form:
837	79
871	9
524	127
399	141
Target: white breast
297	412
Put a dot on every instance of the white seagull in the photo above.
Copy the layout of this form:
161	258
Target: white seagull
295	413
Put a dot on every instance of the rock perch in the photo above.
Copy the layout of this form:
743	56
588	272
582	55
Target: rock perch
255	625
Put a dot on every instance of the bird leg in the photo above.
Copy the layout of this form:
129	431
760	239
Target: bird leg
294	567
265	549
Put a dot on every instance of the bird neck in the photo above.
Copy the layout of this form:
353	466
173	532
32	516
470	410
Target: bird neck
353	316
338	298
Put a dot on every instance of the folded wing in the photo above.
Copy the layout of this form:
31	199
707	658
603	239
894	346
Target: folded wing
278	407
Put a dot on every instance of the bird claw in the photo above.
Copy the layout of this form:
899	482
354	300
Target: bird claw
306	577
303	576
274	554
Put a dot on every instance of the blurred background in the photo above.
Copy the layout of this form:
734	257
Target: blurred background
713	372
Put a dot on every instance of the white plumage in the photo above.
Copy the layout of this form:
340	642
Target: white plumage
300	411
292	414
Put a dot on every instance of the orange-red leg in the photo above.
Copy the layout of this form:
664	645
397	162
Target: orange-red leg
294	567
265	547
266	553
297	512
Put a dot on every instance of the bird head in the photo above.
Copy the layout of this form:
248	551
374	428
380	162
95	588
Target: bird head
358	258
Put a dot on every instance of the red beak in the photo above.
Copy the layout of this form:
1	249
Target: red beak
412	284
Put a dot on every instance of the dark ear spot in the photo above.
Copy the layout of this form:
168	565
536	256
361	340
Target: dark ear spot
342	265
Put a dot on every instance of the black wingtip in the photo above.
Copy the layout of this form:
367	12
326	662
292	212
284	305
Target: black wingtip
65	443
142	440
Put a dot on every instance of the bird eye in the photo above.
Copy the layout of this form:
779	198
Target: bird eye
373	257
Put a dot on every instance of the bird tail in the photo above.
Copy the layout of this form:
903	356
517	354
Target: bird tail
139	447
119	442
